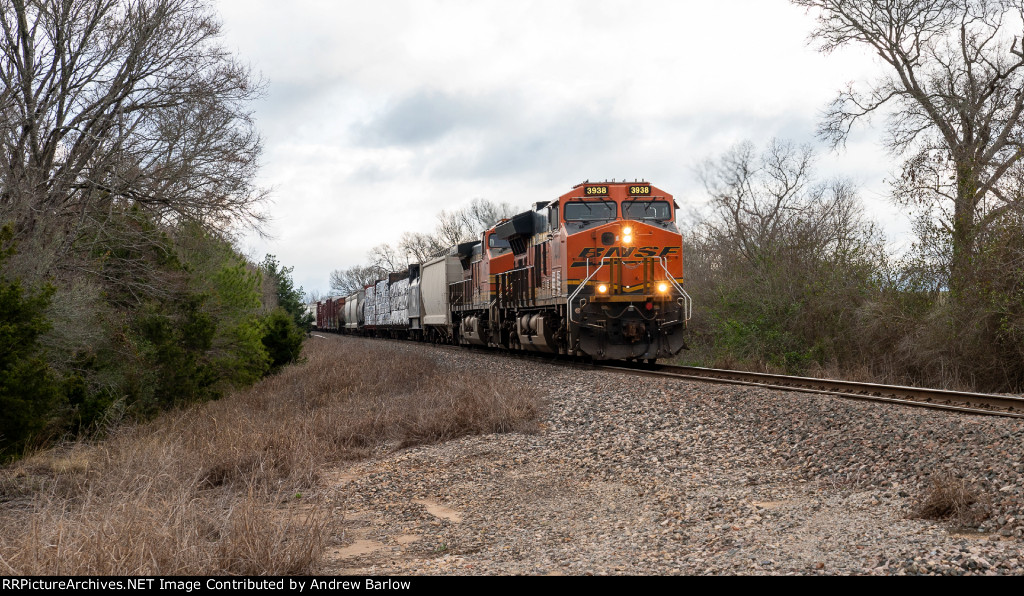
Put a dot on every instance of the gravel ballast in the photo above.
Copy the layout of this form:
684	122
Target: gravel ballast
639	476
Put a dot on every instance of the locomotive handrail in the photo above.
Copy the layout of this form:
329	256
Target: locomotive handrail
687	301
579	288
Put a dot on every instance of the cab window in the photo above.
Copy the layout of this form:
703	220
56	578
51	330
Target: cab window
494	242
647	210
590	211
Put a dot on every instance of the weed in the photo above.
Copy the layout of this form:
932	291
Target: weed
954	499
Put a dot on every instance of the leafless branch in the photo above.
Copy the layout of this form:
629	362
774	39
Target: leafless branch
954	83
113	105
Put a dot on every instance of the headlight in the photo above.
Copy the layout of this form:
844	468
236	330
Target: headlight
627	239
663	287
601	289
627	230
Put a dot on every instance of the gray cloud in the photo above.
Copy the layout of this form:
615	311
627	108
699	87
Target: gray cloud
427	116
571	139
592	141
501	136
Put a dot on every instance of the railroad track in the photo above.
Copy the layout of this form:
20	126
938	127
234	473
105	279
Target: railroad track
941	399
985	404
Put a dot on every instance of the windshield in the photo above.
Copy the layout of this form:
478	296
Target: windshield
495	242
650	210
590	211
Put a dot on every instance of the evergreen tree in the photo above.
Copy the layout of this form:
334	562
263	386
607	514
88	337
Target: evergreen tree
30	394
288	298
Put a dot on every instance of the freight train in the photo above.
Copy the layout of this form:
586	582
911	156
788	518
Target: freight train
597	272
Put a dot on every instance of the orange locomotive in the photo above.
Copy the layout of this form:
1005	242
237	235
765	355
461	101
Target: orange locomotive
596	272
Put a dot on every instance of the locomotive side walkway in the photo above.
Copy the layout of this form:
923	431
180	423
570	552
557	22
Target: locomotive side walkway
645	476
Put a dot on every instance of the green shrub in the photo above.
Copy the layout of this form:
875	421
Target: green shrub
176	338
30	393
282	338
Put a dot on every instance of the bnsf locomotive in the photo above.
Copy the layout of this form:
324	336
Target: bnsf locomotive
597	272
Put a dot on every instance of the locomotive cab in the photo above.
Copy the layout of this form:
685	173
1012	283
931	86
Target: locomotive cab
625	298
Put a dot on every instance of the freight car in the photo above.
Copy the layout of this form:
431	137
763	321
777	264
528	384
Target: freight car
330	314
596	272
391	306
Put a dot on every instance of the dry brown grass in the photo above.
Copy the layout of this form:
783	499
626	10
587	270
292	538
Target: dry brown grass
954	499
234	486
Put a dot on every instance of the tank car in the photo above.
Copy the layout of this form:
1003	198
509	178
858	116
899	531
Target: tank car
354	311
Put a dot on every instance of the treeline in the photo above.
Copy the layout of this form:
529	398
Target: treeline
789	273
78	359
127	163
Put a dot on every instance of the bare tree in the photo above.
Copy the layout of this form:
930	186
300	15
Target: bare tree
784	262
348	281
769	204
386	258
482	214
466	224
452	228
109	106
420	247
954	88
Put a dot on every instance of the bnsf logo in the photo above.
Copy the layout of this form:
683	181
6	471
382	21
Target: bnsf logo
628	251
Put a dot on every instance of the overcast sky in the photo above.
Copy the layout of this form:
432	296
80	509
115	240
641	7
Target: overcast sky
377	115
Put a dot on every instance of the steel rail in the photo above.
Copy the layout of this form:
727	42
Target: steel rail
971	403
